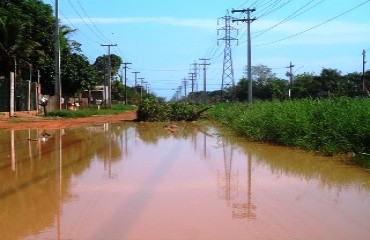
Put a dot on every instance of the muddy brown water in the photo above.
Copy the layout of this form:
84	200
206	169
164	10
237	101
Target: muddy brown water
141	181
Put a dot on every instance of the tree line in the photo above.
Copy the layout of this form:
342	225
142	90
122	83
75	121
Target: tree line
27	48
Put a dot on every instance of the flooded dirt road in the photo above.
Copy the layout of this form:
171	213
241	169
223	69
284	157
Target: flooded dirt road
143	181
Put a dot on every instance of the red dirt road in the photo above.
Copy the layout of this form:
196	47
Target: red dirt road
26	121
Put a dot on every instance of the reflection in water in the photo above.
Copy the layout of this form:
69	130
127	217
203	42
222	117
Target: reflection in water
236	192
140	181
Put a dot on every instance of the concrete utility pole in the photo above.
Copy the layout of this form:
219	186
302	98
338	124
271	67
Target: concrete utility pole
58	85
136	73
363	69
228	70
249	20
204	64
291	78
125	67
141	88
11	94
192	79
108	79
195	71
185	84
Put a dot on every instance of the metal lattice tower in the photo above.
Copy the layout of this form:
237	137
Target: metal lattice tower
228	70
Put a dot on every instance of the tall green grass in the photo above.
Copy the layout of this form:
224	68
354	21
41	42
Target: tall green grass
331	126
87	112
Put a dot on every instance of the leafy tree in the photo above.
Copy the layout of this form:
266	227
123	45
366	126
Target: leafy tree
331	82
265	85
261	74
118	91
305	85
241	89
277	88
77	74
101	63
353	83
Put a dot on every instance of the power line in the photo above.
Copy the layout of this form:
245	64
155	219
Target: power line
88	25
82	33
290	17
268	12
83	9
316	26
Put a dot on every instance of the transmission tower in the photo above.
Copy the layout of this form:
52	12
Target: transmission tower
228	70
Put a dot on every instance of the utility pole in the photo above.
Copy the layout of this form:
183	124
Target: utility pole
204	64
228	70
192	79
185	84
125	67
108	79
363	69
58	85
195	71
135	77
141	88
291	78
249	20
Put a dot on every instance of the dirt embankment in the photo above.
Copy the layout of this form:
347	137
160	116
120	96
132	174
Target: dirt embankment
26	121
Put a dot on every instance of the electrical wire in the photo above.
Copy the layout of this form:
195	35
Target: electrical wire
94	25
290	17
274	9
88	25
316	26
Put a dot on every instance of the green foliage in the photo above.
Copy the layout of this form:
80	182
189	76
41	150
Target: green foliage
101	64
329	83
151	110
332	126
154	110
87	112
77	74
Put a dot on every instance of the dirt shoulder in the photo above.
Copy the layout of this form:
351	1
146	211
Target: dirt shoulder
27	121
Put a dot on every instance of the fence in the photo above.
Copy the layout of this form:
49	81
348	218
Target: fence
26	96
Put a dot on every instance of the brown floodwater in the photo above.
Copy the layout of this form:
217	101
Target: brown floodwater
142	181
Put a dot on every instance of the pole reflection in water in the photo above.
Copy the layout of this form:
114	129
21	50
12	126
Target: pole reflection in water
140	181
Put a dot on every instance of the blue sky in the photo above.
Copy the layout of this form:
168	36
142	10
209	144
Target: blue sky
162	38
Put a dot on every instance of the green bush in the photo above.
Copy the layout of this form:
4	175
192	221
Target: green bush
153	110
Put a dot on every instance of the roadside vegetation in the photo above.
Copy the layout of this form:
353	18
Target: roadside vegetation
155	110
88	112
329	126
